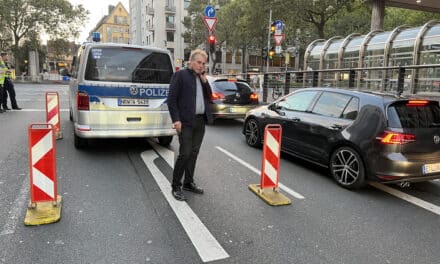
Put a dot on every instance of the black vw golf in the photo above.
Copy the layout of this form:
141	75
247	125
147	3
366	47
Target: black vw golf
359	136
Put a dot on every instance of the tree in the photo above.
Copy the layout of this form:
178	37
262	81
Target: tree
22	18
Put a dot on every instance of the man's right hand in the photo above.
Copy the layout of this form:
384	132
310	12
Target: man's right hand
177	126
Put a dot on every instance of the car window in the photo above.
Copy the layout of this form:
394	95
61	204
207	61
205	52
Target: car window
331	104
352	109
118	64
298	101
231	87
400	115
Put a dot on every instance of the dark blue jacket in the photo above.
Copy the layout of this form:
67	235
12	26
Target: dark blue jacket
182	97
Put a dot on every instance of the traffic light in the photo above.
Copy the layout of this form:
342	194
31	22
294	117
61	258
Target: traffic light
211	41
272	28
271	53
264	53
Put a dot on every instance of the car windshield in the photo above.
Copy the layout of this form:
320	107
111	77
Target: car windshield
401	115
119	64
228	87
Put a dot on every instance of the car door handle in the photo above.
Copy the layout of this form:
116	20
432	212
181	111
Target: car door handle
295	119
336	127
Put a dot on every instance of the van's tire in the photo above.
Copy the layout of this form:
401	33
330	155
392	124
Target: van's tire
165	141
80	143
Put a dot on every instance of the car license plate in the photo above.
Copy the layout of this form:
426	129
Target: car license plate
430	168
132	102
235	110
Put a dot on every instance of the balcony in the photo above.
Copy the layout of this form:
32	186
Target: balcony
170	9
150	11
170	26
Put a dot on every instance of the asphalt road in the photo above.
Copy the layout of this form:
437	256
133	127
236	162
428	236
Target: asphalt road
117	206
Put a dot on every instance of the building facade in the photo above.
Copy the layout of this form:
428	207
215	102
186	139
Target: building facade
114	27
158	23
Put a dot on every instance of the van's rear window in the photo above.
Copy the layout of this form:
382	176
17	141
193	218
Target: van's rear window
404	115
118	64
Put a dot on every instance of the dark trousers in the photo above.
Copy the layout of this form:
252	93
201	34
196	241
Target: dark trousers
8	88
2	89
190	140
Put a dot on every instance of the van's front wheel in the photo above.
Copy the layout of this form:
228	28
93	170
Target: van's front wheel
79	143
165	141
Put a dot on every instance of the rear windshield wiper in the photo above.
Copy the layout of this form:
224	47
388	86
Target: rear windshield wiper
434	125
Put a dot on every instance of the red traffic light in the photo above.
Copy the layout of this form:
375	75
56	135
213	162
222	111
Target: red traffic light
211	39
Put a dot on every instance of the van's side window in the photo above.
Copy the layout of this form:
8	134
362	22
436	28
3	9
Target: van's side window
128	65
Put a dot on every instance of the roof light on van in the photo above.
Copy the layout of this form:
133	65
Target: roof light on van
417	103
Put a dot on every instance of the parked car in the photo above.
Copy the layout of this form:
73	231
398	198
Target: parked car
231	97
359	136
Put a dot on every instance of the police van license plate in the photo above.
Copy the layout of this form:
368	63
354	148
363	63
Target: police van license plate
132	102
430	168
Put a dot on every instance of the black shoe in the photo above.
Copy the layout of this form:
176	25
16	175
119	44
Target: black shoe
2	111
6	108
16	108
178	194
192	187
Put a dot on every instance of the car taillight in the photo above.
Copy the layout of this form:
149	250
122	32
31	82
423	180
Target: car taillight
417	103
82	101
254	96
217	96
389	137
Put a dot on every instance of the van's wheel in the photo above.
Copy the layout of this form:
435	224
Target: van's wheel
79	142
347	168
252	133
165	141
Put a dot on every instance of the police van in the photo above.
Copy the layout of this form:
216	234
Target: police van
120	91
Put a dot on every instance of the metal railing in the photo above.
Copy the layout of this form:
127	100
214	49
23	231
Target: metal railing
420	80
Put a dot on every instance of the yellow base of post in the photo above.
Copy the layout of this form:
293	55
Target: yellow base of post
58	135
269	195
44	213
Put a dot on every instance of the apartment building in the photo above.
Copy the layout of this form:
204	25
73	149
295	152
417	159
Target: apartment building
114	27
158	23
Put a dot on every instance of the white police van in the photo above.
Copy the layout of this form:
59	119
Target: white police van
120	91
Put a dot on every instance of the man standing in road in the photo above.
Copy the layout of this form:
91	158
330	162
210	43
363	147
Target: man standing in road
189	106
8	87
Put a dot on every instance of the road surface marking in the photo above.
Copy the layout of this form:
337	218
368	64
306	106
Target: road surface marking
208	248
247	165
409	198
11	223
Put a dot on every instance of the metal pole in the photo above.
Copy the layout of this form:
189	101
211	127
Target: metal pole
268	39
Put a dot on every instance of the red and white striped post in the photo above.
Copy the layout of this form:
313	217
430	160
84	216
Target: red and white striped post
53	112
271	156
45	203
42	163
268	187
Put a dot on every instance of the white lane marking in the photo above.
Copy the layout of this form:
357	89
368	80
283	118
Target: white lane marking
208	248
36	110
14	213
409	198
244	163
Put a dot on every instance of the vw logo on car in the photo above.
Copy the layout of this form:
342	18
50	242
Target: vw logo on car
436	139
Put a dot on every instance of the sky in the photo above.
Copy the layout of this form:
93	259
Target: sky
97	9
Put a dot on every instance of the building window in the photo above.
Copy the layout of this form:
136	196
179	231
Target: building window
237	57
186	4
170	36
228	57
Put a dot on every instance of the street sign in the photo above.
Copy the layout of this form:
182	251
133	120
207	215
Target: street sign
209	11
277	49
210	22
278	39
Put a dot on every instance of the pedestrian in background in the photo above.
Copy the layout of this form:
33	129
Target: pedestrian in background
3	70
189	106
8	86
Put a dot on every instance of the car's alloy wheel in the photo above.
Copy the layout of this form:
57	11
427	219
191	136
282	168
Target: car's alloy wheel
347	168
252	133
